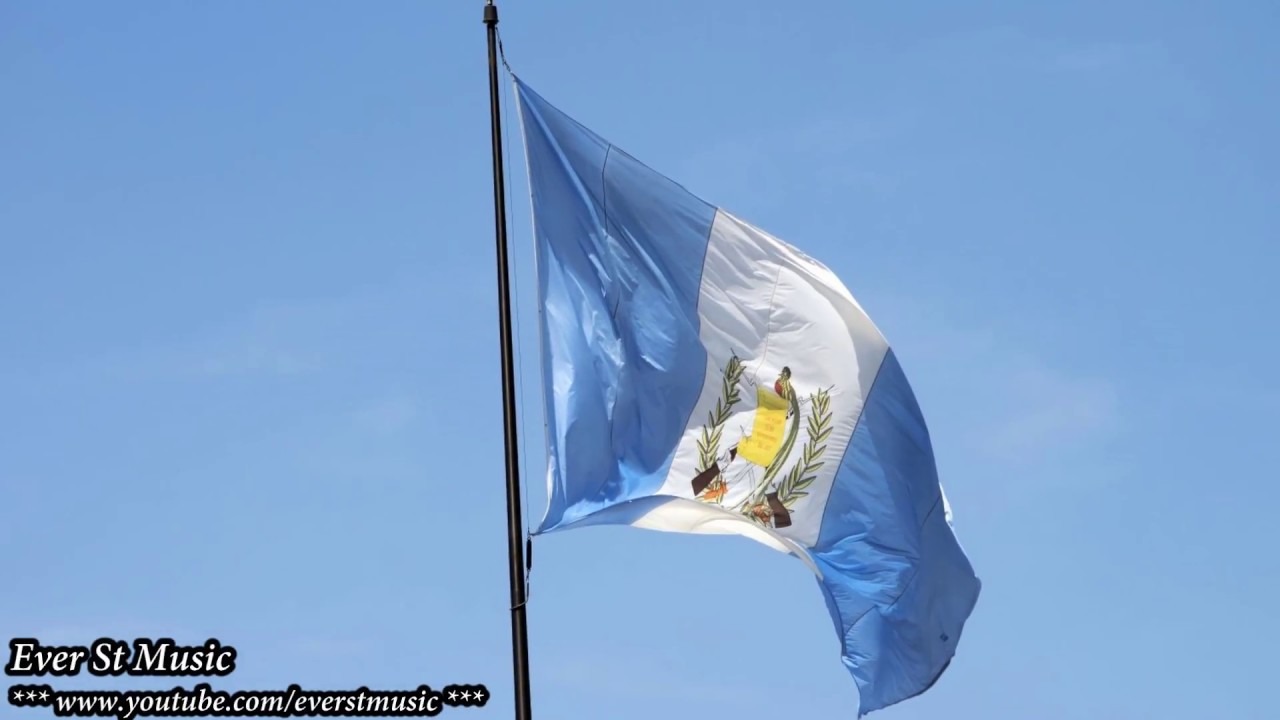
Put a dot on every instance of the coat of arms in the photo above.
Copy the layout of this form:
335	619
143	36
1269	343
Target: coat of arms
757	459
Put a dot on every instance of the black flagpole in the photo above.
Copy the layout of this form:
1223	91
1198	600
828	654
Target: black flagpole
515	526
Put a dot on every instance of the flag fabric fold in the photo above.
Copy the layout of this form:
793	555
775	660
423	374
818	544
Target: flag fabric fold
703	376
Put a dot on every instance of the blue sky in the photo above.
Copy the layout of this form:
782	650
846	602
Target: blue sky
249	357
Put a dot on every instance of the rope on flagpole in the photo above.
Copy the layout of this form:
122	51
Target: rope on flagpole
502	55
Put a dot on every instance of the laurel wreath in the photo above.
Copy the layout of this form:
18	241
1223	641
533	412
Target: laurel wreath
794	486
709	441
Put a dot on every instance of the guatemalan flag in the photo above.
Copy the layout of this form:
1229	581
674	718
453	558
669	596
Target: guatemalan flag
703	376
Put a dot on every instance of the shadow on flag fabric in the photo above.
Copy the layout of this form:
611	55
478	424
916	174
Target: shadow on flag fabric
703	376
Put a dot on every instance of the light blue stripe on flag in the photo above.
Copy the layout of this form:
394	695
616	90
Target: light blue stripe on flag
703	376
620	252
897	583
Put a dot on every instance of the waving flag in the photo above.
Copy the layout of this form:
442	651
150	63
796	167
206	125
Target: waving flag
703	376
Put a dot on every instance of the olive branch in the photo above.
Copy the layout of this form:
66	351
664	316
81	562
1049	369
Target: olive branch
709	442
794	485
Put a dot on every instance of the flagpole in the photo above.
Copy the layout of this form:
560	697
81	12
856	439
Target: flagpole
515	525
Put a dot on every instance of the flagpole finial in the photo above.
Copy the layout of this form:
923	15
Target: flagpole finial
490	14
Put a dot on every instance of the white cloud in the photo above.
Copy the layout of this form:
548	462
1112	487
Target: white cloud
989	398
273	339
388	415
1104	56
253	359
1047	411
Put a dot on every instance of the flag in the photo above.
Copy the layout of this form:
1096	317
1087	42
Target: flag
703	376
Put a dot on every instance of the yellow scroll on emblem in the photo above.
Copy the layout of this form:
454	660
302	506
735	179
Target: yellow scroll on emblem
761	447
